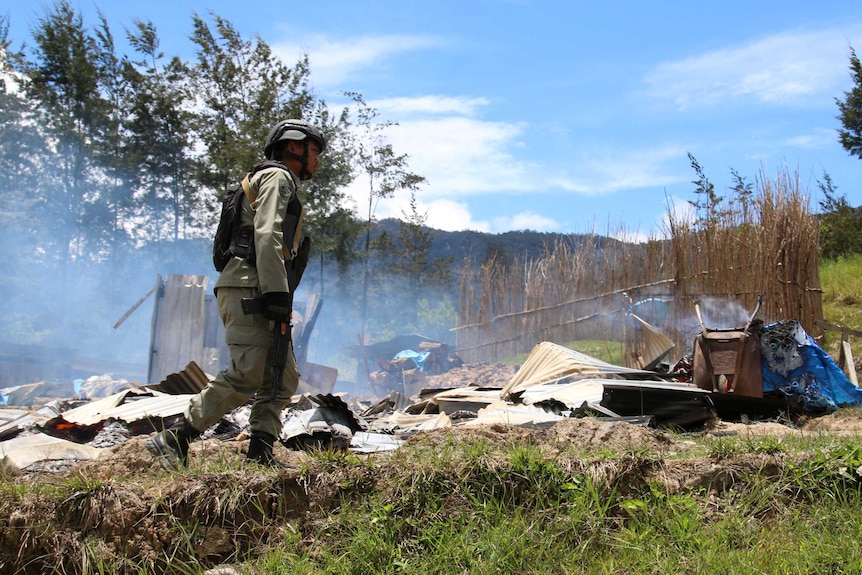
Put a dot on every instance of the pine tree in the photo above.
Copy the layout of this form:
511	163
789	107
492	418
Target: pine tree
244	90
159	125
66	81
850	109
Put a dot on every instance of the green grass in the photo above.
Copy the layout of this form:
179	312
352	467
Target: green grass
532	514
841	281
473	505
609	351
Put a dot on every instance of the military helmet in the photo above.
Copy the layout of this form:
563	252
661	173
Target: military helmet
292	129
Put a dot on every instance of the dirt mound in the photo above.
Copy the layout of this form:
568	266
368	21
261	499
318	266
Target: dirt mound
587	434
847	420
477	374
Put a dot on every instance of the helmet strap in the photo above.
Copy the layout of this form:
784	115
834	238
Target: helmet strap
304	174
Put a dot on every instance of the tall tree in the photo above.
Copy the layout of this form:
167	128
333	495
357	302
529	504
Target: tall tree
20	224
19	139
386	172
840	223
159	129
106	149
65	83
244	89
850	111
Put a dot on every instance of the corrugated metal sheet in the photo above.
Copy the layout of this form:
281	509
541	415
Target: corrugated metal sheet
549	362
522	416
655	344
24	451
572	394
190	380
121	407
13	420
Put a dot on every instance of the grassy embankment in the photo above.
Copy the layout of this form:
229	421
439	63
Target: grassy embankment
490	501
841	281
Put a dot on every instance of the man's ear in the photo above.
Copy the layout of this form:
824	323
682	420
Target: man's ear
295	147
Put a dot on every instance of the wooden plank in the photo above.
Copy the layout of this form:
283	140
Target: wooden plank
850	367
844	330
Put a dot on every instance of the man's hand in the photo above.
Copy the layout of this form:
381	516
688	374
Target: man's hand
277	306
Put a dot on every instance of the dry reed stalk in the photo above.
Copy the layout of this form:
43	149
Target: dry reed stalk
764	244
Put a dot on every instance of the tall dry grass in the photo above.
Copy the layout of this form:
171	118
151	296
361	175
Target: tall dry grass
761	242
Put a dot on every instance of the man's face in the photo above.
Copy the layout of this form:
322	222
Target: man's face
313	160
298	148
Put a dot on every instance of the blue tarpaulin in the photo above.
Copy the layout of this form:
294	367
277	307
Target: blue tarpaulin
795	365
418	358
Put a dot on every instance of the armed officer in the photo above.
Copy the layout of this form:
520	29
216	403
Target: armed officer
291	151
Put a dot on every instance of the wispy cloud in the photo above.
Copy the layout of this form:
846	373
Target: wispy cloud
788	68
430	104
333	62
817	139
596	171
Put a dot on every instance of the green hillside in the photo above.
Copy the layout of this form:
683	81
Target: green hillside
841	281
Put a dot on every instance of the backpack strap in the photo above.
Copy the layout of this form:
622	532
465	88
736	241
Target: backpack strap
246	187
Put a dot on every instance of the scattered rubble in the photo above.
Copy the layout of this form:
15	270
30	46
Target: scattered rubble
429	389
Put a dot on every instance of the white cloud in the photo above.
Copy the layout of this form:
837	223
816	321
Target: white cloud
430	104
786	68
526	221
462	156
333	62
440	214
453	216
597	171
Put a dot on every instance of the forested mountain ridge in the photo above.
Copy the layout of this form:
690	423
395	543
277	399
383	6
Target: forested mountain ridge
478	246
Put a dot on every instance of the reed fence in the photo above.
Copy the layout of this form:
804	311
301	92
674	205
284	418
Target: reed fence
762	243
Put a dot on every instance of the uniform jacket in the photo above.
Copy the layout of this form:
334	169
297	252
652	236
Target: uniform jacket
272	188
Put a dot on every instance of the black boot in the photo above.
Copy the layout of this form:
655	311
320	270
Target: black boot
171	445
260	449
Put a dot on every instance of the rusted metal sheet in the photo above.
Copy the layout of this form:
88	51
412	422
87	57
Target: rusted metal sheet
190	380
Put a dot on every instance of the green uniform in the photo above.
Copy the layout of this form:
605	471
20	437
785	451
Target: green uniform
249	337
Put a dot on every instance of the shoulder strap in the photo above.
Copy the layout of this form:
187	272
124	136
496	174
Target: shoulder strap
246	187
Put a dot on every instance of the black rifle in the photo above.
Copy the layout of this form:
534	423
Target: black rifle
281	331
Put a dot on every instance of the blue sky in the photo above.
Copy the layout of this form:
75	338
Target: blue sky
561	116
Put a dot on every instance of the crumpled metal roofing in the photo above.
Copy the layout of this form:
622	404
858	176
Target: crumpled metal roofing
129	406
550	362
24	451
